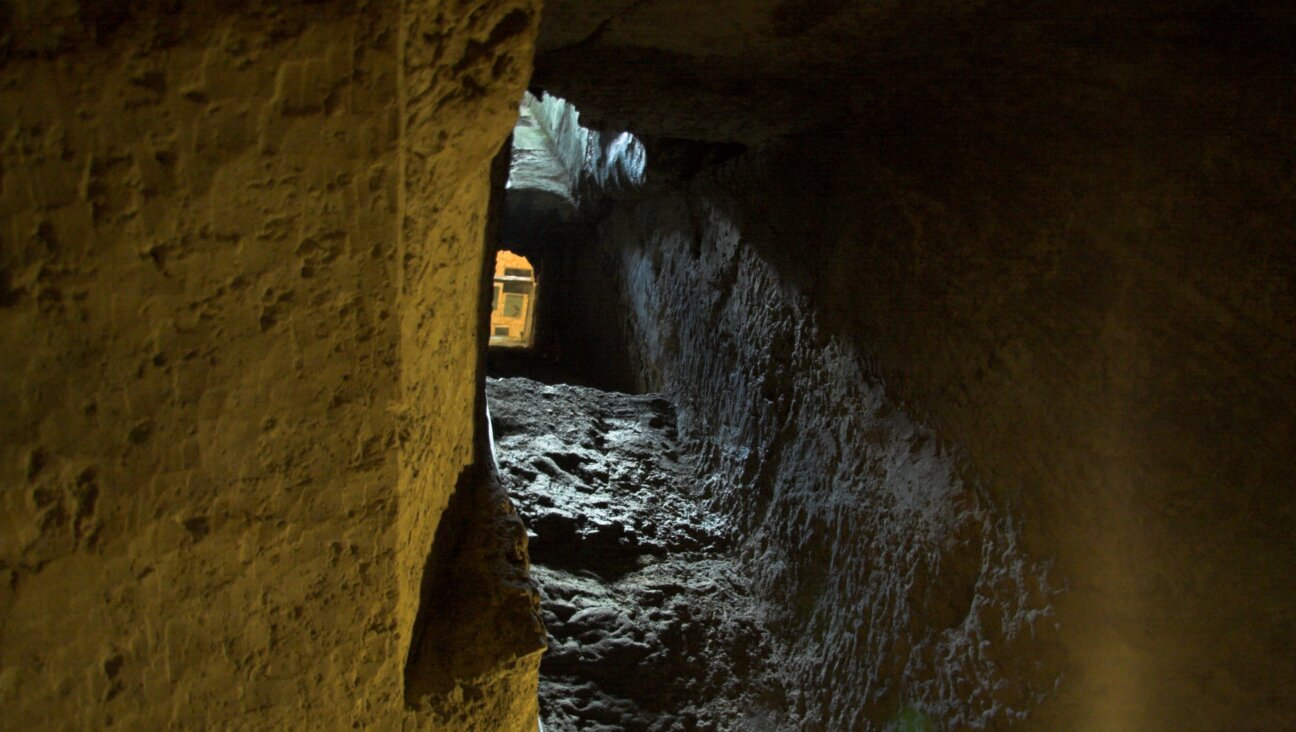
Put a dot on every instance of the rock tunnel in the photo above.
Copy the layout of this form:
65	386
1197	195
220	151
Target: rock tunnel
967	330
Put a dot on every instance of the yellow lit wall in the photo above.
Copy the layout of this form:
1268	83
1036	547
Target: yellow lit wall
513	302
229	427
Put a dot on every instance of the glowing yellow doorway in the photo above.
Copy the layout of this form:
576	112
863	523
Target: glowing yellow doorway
513	301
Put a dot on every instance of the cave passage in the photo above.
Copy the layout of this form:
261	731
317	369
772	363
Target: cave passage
899	366
651	625
732	525
561	176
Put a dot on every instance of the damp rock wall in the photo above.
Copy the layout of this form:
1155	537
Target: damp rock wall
240	249
965	338
892	587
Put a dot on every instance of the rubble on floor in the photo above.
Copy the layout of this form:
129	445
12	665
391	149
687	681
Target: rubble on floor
652	625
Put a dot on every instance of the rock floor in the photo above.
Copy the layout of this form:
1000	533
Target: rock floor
652	625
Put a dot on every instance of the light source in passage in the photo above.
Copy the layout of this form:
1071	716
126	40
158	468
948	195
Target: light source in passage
513	301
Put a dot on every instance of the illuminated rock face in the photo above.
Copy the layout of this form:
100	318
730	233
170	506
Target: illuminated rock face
229	430
891	583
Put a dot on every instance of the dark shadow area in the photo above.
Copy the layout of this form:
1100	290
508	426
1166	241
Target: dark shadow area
478	566
478	609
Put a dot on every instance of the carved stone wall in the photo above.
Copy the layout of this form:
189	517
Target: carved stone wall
240	254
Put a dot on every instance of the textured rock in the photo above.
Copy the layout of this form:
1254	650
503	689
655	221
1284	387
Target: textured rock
557	164
240	275
756	71
1060	236
678	645
548	150
652	623
227	440
889	582
184	458
463	70
598	474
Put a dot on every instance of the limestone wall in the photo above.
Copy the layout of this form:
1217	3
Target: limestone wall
238	293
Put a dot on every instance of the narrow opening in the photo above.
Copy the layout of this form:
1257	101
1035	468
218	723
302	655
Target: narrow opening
625	552
513	301
561	176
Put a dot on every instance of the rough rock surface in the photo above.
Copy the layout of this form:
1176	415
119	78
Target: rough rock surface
755	71
545	163
892	585
652	624
227	431
1112	357
1059	234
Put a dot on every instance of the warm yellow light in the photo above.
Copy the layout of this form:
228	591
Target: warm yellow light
513	301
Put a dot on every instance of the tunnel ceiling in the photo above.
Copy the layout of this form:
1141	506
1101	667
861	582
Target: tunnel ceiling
751	70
